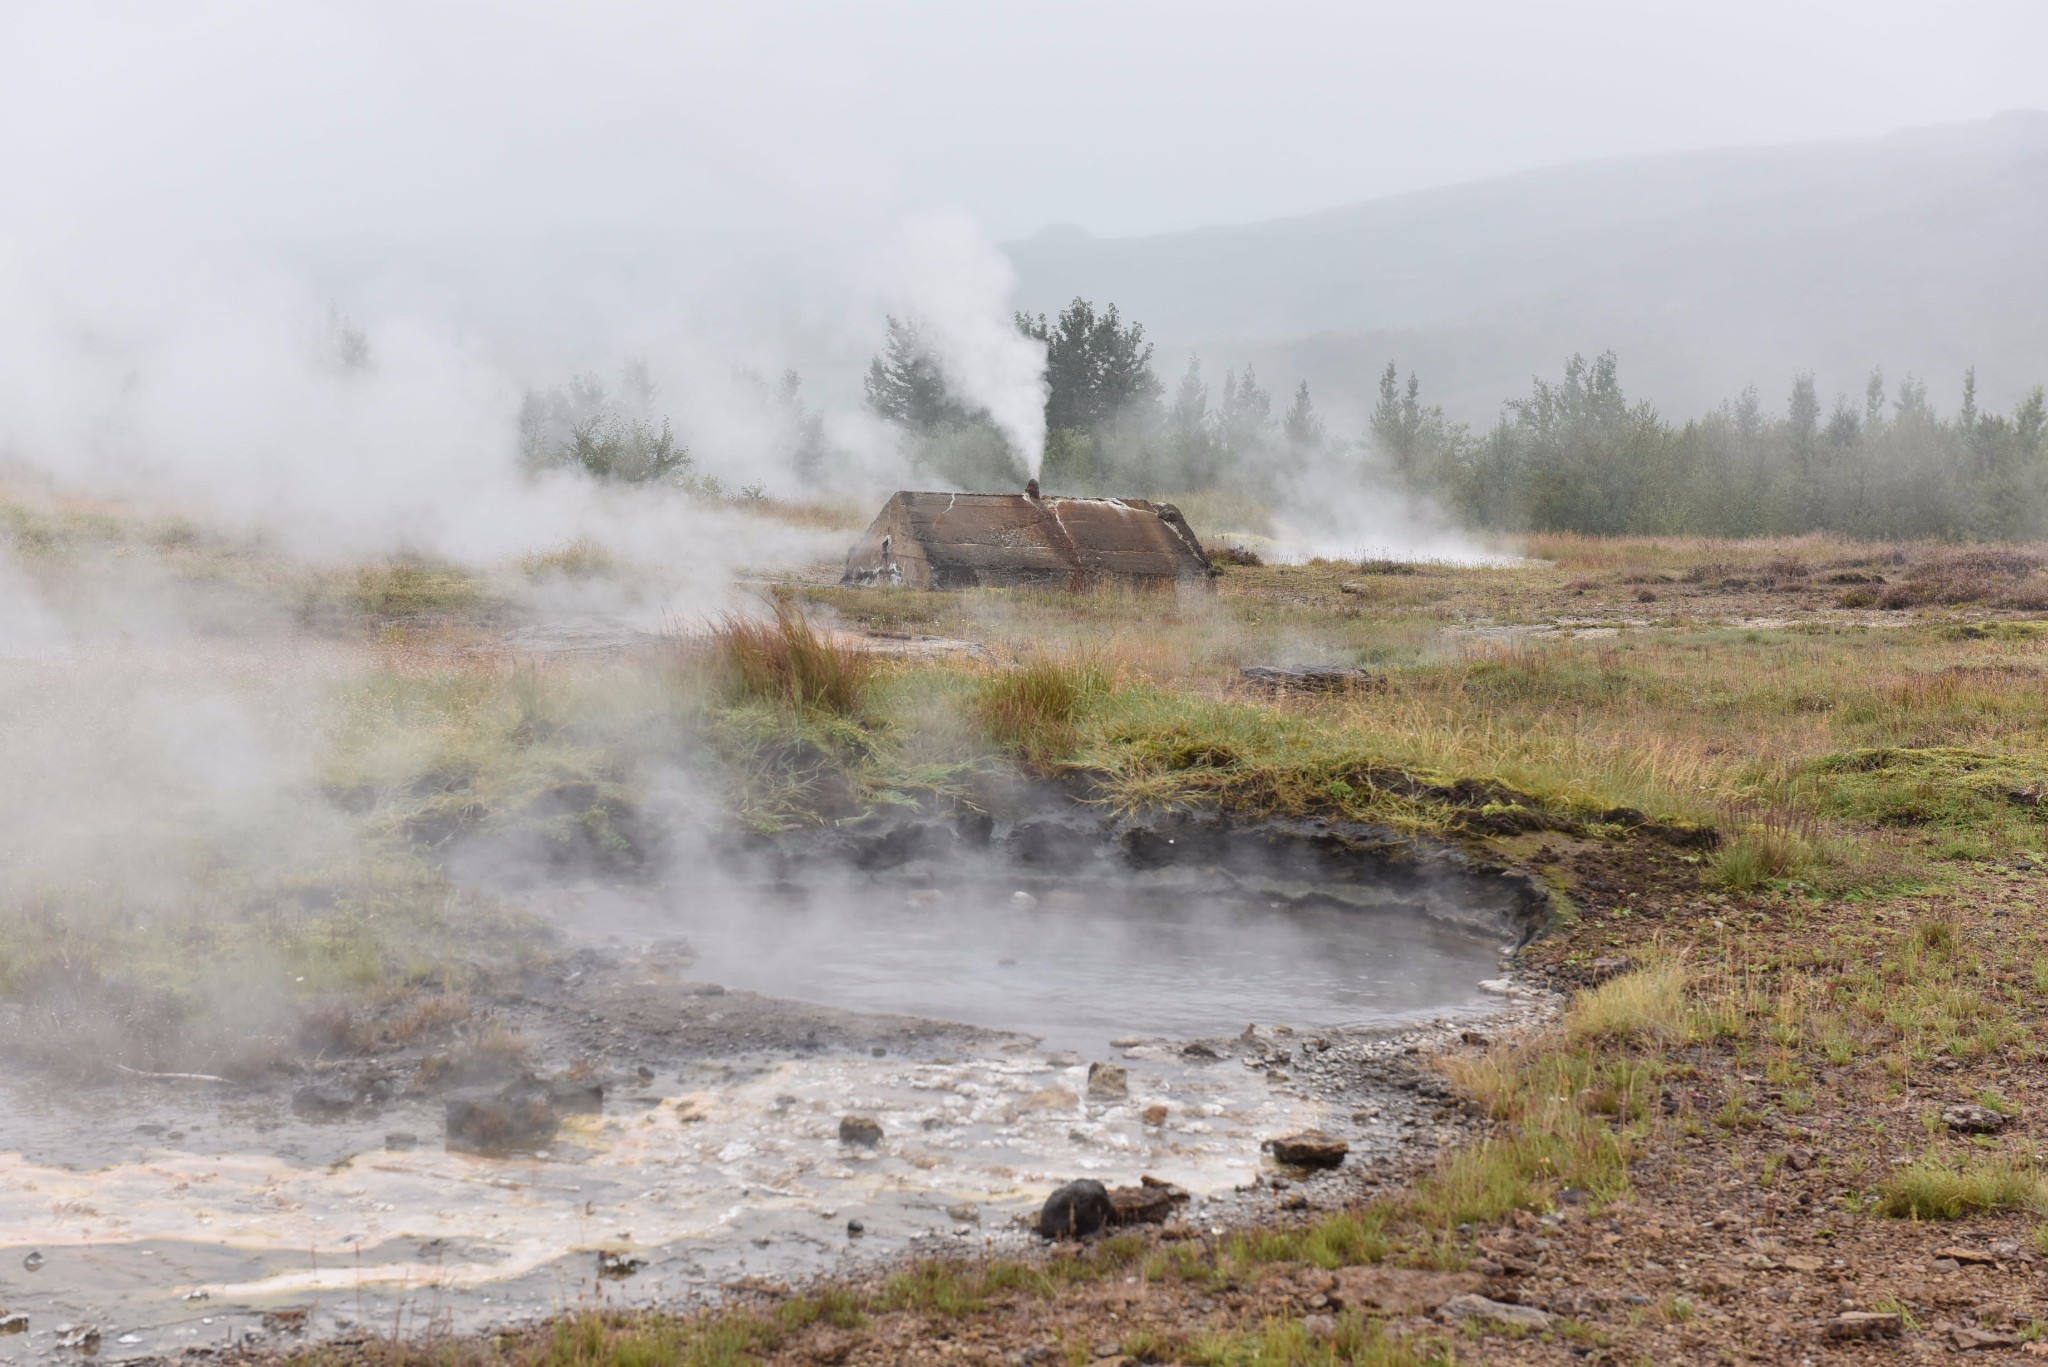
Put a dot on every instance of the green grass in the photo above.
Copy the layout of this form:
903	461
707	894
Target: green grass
1941	1188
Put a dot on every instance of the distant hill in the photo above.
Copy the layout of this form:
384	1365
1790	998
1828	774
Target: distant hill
1923	251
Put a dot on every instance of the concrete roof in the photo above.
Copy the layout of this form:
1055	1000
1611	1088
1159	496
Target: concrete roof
939	540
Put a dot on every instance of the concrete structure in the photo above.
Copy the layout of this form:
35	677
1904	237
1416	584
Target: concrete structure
961	541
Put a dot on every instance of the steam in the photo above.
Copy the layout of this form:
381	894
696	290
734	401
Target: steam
960	289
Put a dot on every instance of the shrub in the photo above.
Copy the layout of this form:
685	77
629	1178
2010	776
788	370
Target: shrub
785	661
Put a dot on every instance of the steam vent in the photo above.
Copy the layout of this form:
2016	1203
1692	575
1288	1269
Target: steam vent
962	541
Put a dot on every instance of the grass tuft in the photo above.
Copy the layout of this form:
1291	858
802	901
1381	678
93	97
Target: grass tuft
1643	1007
1032	710
1935	1188
784	661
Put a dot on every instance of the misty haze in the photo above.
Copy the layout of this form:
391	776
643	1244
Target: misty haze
900	683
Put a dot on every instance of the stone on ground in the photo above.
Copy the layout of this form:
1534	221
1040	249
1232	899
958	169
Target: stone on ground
1076	1211
1310	1149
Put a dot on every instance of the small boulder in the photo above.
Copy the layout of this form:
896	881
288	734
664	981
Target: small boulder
329	1099
1148	1203
1310	1149
400	1141
83	1338
861	1130
1076	1211
1862	1324
1966	1339
1155	1116
1468	1307
1969	1118
1108	1082
507	1120
570	1097
16	1323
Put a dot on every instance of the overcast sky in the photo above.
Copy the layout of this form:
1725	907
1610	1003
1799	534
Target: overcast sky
1123	116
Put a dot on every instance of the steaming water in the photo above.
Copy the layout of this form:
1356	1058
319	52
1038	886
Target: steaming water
1078	968
172	1216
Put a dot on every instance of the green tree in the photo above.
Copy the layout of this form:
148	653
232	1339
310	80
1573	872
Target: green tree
904	385
617	440
1189	433
1244	416
1302	425
1098	368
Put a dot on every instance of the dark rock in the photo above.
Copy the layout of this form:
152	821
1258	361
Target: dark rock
576	1098
616	1266
1310	1149
16	1323
330	1099
1148	1203
1076	1211
859	1129
854	1229
400	1140
1306	678
513	1118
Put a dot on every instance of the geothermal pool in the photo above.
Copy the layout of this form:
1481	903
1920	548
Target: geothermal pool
172	1214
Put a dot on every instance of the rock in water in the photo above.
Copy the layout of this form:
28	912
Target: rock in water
859	1129
613	1265
499	1122
1311	1149
1075	1211
1108	1082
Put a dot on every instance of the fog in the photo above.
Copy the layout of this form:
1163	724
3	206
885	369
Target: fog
505	195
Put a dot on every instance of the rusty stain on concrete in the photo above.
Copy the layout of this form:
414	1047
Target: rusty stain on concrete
961	541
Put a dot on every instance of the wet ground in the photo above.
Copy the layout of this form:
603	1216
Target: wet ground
963	1020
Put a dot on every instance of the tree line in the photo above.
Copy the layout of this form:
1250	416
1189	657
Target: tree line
1573	454
1576	455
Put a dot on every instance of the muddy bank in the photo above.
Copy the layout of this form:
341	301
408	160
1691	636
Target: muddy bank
1040	835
